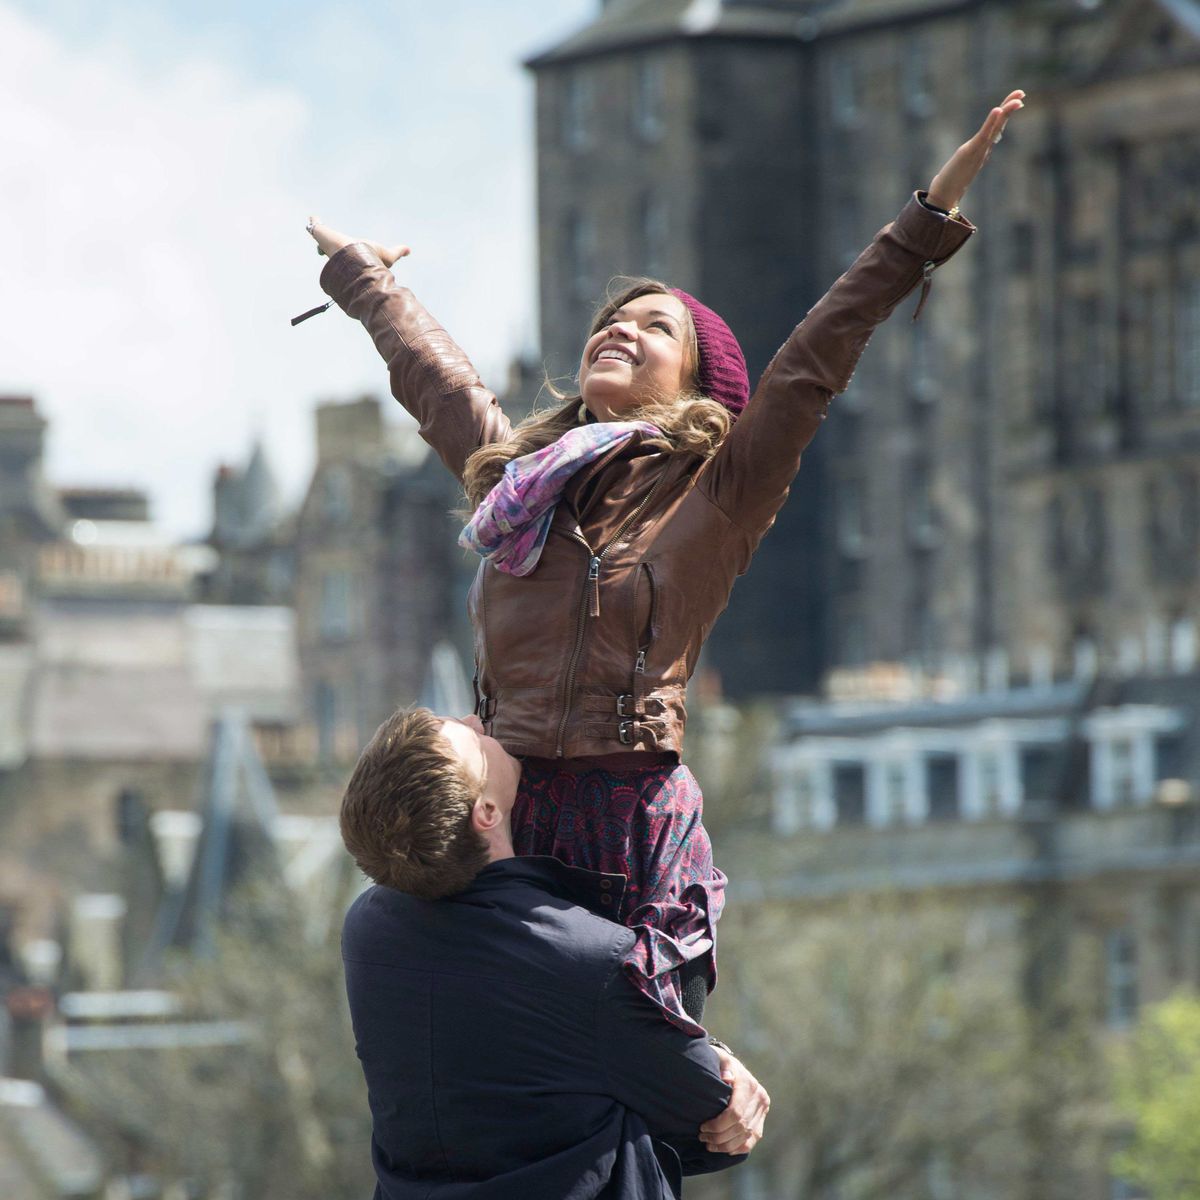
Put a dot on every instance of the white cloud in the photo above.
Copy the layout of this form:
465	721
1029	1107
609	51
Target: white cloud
154	206
152	260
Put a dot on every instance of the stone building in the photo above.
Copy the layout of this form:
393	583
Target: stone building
1063	817
1012	481
987	566
252	536
379	578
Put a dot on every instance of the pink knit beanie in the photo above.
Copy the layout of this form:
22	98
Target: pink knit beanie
722	374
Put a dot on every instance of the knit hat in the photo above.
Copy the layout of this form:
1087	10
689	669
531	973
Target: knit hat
722	374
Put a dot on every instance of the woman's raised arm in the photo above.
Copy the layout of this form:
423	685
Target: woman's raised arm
428	373
749	477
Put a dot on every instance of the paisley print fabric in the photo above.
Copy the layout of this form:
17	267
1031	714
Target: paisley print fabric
512	521
645	824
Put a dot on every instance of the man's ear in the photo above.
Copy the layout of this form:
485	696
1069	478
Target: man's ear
485	815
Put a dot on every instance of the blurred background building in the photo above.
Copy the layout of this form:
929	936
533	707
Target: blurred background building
963	670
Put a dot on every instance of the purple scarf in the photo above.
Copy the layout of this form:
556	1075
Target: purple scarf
512	521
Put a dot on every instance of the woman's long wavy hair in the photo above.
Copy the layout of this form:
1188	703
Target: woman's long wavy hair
690	422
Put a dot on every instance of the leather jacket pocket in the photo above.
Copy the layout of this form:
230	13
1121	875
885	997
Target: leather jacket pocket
645	608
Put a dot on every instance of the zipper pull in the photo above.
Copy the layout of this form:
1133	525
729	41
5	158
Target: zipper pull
312	312
639	667
594	580
927	283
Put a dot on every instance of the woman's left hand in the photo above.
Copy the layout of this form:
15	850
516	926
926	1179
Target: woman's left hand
329	242
951	182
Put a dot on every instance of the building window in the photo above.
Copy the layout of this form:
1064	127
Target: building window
130	814
895	794
577	112
1079	528
1187	345
851	518
649	99
1123	779
941	776
924	631
794	801
845	90
1121	984
1182	648
581	256
1156	643
923	372
1087	657
1039	773
917	76
336	495
852	640
1123	770
1150	343
850	793
922	519
1170	761
327	716
652	227
1091	367
336	615
992	800
1173	515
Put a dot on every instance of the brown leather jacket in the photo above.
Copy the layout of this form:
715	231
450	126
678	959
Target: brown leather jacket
590	654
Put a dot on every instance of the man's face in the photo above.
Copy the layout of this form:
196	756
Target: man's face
484	759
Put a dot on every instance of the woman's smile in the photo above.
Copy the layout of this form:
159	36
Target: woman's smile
637	356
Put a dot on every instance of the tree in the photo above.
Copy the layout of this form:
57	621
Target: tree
893	1038
281	1115
1157	1084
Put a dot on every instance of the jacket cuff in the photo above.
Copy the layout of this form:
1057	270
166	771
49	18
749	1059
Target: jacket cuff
345	268
927	234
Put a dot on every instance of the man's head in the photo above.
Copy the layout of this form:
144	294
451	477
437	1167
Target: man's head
429	803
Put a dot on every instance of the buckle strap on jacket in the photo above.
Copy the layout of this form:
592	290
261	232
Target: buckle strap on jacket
623	705
629	732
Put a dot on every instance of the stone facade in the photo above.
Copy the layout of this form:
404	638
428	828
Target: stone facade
379	579
1012	479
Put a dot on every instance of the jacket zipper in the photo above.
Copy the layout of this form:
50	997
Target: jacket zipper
926	283
481	666
589	603
653	618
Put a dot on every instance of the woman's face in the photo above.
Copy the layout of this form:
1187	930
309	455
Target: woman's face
639	356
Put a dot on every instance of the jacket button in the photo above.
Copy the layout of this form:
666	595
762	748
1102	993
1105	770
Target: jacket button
605	899
606	884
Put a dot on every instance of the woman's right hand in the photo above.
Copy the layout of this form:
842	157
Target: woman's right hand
329	242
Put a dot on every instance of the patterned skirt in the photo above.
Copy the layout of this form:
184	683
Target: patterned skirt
644	824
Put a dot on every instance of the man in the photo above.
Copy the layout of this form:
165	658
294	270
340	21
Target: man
505	1053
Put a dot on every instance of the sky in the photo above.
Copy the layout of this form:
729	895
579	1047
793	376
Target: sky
158	162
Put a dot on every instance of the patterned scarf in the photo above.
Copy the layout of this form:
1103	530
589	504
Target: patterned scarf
512	522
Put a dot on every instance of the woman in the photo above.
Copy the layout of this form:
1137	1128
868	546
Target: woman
613	529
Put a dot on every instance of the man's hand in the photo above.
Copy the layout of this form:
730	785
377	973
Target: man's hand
740	1127
330	241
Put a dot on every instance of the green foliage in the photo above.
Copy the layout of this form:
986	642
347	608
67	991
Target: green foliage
901	1059
1157	1080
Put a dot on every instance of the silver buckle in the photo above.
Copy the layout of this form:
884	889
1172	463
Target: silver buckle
621	706
625	733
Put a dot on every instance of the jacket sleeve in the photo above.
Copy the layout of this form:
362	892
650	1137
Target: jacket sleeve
429	374
671	1080
749	477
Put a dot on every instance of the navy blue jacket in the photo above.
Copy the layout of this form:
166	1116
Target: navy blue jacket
506	1055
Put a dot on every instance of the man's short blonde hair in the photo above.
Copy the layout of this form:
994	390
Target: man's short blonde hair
406	813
